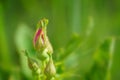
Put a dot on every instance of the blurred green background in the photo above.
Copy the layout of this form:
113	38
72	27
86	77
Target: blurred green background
85	35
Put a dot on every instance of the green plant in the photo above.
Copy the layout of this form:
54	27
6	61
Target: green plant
42	65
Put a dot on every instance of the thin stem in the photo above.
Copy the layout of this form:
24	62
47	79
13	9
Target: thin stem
111	49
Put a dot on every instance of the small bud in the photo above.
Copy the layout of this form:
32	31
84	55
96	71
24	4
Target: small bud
33	65
50	70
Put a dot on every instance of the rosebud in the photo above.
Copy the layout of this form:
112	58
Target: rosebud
50	70
41	42
38	41
33	65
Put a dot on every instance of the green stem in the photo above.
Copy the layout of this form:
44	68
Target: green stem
37	76
111	51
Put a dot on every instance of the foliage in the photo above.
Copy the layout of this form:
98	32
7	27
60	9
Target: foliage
85	35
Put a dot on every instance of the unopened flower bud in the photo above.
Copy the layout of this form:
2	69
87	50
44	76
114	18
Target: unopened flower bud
50	70
33	65
38	40
41	42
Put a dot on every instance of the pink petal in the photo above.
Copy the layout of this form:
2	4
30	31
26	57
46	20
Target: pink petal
37	35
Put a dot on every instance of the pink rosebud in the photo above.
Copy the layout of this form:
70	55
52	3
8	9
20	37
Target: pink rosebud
38	39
